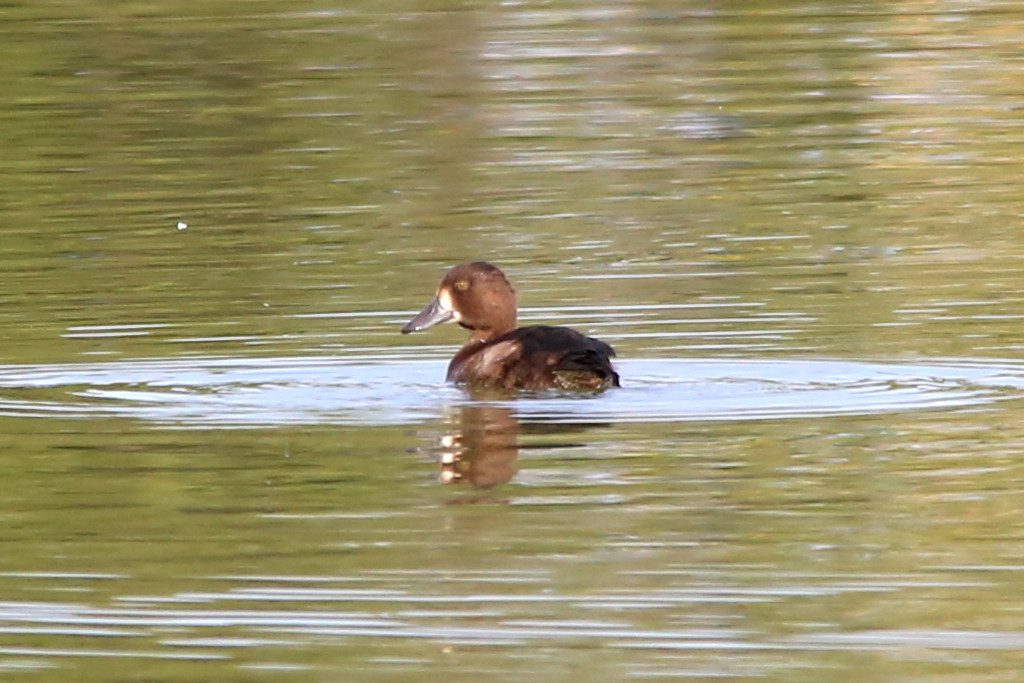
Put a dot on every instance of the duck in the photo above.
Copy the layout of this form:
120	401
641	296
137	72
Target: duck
500	355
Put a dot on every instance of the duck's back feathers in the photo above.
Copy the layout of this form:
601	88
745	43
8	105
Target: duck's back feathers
536	357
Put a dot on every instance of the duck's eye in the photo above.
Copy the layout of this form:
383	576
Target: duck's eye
462	285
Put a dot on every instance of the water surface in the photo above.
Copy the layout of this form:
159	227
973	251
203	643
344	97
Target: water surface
798	224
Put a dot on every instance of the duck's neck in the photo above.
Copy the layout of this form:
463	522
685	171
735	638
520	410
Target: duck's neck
481	335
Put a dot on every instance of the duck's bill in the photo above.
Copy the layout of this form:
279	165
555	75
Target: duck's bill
433	314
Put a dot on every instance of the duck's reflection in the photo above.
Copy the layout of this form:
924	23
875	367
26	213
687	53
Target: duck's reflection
481	448
481	443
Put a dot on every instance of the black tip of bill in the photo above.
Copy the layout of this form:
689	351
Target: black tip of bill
433	314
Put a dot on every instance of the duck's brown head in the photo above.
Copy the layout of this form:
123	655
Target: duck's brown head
475	295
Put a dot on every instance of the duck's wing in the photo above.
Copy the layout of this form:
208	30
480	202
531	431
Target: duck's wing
585	369
563	358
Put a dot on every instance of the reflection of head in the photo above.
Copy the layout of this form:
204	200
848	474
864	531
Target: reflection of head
483	447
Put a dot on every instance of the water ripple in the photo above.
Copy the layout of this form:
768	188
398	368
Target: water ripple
420	605
376	391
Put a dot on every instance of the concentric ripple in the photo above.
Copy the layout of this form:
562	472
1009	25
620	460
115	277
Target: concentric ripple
236	392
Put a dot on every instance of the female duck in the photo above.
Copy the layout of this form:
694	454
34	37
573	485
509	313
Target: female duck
498	354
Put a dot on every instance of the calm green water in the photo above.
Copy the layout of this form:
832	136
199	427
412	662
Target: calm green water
798	222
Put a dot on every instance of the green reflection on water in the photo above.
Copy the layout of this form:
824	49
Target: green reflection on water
832	165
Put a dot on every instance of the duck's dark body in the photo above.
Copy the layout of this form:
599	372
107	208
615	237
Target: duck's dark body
536	357
500	355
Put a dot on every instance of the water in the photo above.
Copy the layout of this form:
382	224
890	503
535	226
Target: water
396	390
797	224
